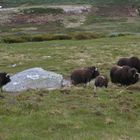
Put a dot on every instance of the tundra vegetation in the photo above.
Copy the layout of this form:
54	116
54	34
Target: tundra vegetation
71	113
62	45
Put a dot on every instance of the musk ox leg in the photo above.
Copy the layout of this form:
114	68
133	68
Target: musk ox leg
1	94
85	85
1	90
72	82
95	91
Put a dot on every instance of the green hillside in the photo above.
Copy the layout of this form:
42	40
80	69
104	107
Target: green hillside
9	3
72	113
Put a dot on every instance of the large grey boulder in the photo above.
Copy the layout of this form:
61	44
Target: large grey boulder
34	78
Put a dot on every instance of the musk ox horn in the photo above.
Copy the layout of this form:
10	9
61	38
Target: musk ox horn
96	69
7	75
139	75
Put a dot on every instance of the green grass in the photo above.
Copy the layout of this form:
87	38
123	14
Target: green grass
110	24
72	113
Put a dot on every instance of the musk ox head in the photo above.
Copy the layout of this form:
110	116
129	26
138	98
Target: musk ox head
133	71
94	71
4	78
134	75
7	79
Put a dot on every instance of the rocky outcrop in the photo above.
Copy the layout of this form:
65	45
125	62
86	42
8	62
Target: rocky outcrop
34	78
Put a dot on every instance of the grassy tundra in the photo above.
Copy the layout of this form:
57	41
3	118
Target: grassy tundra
73	113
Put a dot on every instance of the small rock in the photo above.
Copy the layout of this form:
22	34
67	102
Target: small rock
109	121
14	65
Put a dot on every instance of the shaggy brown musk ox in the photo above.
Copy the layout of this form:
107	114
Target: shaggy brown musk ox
84	75
124	75
133	62
100	81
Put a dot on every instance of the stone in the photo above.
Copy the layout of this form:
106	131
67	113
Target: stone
34	78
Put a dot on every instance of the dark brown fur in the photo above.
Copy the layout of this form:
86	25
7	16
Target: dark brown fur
84	75
4	79
124	75
133	62
101	81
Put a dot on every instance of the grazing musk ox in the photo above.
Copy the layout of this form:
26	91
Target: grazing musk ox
124	75
133	62
4	79
100	81
84	75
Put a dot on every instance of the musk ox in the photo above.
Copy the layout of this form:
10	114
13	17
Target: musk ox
100	81
124	75
133	62
4	79
84	75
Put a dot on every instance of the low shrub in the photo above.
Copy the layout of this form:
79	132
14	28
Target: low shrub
81	36
47	37
38	38
62	37
50	37
13	39
116	34
42	11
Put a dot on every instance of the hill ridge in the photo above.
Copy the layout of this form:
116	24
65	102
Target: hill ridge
13	3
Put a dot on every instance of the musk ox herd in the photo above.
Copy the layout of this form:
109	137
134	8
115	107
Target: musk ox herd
125	72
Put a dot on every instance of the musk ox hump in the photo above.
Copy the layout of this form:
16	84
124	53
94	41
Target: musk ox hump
133	62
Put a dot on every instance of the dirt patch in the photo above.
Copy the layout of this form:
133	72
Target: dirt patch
74	8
